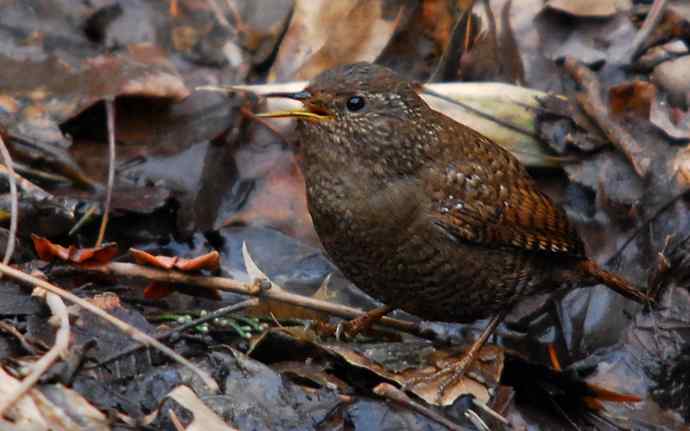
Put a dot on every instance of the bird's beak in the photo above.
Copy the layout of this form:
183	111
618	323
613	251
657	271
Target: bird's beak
308	112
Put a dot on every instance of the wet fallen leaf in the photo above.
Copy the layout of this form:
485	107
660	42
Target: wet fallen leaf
315	373
258	397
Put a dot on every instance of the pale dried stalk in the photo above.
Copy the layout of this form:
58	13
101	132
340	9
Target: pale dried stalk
14	211
133	332
502	112
110	118
59	311
230	285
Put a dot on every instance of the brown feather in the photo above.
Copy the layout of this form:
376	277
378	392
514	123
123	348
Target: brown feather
486	196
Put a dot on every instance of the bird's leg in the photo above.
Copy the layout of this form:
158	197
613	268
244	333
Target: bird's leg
457	370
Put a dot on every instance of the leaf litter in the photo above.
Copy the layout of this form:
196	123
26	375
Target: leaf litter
602	115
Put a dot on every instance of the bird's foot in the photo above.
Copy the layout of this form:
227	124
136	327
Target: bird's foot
448	381
444	380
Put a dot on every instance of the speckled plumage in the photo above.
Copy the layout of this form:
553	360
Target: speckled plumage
424	213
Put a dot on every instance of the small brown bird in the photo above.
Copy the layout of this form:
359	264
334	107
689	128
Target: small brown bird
425	213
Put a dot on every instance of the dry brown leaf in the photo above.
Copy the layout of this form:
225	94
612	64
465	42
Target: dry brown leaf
481	377
584	8
673	77
634	97
280	202
205	419
53	410
324	33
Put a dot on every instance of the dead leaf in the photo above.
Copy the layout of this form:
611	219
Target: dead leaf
492	56
673	77
324	33
210	261
50	407
280	202
584	8
634	97
106	301
159	290
205	419
640	99
674	122
56	91
279	310
480	379
49	251
156	290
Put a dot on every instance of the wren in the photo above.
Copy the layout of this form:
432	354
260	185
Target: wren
424	213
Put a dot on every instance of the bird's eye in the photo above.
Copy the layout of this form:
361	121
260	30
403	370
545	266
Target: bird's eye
355	103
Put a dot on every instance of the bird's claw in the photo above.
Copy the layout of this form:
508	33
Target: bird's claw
448	376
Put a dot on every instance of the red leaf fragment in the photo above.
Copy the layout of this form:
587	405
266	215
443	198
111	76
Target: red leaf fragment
209	260
143	258
49	251
157	290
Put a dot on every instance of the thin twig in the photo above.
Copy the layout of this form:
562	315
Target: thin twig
110	114
11	239
82	221
267	124
133	332
592	103
390	392
230	285
57	307
6	327
450	58
181	328
237	17
650	22
508	125
665	207
177	423
218	13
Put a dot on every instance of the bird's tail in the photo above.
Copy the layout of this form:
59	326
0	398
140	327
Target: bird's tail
615	282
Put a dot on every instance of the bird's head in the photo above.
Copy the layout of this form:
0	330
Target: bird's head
353	99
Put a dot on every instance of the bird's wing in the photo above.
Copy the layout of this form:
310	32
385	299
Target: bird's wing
484	195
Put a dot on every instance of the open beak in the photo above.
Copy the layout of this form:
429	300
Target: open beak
307	112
